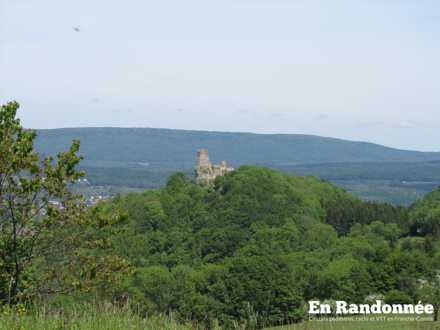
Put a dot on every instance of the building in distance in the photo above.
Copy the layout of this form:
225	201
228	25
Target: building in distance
206	172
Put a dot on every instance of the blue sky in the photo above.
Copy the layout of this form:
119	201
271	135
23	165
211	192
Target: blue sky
361	70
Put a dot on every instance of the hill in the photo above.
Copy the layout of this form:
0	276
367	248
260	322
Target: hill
176	148
146	157
258	245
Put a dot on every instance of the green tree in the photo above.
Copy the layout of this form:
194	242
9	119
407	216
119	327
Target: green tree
34	197
429	291
45	228
425	215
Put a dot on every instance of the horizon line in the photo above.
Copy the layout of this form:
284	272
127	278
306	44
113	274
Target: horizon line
232	132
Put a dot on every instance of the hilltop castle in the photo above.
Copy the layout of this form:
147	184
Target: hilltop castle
207	172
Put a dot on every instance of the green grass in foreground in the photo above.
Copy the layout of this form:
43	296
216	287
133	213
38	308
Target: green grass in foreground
85	318
108	317
359	325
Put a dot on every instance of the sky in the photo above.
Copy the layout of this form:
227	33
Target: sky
364	70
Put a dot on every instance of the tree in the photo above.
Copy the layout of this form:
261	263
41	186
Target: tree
34	200
425	215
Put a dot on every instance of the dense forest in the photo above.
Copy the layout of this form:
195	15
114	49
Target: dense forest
250	250
261	244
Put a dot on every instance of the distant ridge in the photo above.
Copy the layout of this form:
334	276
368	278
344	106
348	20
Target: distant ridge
176	149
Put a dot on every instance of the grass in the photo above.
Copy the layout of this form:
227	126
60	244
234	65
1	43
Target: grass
85	318
109	317
362	325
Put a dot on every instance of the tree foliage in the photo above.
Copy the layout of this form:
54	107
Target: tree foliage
46	233
259	244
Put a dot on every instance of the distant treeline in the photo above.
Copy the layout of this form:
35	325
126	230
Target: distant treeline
145	157
398	183
127	177
176	149
392	171
398	172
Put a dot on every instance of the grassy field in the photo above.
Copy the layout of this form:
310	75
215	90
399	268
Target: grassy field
84	318
359	325
115	321
108	317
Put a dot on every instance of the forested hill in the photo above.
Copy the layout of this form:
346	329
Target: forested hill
121	158
260	244
175	149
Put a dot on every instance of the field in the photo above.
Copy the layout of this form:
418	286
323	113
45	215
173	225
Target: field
369	325
118	321
88	317
85	318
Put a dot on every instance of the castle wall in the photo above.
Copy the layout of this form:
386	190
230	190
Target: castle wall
207	172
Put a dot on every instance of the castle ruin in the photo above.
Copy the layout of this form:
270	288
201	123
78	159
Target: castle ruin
207	172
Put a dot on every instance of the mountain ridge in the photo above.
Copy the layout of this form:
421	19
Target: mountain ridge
226	133
162	145
146	157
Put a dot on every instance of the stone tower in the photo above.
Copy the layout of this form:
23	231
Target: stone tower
205	171
203	158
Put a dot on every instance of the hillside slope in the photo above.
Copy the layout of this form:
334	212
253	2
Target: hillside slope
175	149
142	158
